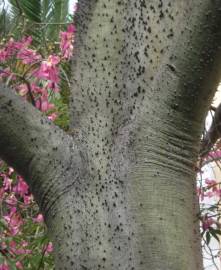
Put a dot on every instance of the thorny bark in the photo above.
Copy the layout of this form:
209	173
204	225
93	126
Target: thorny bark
120	194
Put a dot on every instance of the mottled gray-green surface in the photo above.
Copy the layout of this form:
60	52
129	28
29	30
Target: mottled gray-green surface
120	193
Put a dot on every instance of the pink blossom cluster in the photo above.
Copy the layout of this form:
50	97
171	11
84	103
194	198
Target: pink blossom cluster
211	189
209	217
207	222
67	39
209	194
15	194
15	199
19	49
40	75
35	78
213	155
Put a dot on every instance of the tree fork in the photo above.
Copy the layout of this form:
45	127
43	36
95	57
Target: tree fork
37	149
124	187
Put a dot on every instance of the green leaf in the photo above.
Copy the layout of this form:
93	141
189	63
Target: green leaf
215	233
208	237
41	19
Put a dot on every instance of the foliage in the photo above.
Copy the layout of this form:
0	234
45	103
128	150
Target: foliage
209	193
4	21
34	60
41	19
22	232
38	70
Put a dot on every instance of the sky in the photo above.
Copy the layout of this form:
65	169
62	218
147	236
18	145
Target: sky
71	4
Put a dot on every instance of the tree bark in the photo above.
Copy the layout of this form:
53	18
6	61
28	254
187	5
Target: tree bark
37	149
121	193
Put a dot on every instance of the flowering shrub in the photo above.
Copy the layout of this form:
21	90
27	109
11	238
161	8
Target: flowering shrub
209	193
23	240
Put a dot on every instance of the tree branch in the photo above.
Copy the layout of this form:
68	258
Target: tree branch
36	148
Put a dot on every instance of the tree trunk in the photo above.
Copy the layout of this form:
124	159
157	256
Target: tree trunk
120	194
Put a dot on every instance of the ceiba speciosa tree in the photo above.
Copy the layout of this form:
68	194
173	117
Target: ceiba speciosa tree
120	193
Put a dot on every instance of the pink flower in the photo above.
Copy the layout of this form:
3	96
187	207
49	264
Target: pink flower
43	104
10	170
11	199
48	248
19	250
22	89
2	193
21	188
209	194
24	243
27	199
48	69
3	55
4	266
14	221
53	86
52	116
7	182
207	223
212	185
210	182
24	43
71	29
8	51
5	73
19	265
53	60
11	47
39	218
215	154
36	89
28	56
66	42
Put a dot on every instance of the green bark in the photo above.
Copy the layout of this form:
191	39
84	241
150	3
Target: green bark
144	75
122	193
